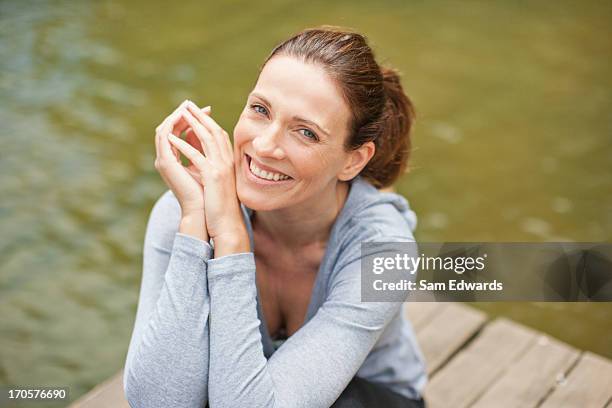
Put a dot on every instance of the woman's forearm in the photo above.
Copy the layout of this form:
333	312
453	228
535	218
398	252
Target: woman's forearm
238	374
169	365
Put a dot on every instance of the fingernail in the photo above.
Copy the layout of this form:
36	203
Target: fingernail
207	108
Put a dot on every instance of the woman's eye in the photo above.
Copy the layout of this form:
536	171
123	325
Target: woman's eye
259	109
309	134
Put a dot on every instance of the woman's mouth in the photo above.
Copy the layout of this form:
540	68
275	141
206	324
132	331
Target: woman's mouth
262	176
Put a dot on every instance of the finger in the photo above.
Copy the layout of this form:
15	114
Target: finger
190	136
211	150
189	151
166	122
206	110
221	136
165	148
177	126
207	121
172	123
192	139
182	124
197	112
197	176
157	144
228	144
159	135
176	153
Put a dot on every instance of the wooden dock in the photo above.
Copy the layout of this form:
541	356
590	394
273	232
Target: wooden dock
476	362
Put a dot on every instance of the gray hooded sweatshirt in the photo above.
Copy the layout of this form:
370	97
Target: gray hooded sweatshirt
200	334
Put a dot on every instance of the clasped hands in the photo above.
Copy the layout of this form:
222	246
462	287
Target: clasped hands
206	188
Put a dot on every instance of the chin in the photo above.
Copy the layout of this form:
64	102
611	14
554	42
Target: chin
256	201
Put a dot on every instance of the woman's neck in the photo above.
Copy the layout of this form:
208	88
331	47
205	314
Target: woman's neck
304	225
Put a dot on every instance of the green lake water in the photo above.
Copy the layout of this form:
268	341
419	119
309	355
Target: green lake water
513	143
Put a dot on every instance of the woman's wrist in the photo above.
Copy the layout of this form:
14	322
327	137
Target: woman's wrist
194	224
233	241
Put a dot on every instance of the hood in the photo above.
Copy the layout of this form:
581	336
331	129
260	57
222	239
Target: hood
364	197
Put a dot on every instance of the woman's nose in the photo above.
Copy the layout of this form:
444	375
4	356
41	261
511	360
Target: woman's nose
266	143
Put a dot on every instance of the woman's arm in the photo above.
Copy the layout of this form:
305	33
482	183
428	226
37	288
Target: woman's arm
167	360
312	367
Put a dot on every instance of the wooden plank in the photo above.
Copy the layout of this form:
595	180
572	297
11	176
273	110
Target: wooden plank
446	332
107	394
589	384
527	381
506	365
420	313
474	368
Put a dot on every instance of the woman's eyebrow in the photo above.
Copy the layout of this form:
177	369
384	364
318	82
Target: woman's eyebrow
255	94
311	123
297	118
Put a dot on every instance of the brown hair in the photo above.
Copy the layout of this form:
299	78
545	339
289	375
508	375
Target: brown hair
381	111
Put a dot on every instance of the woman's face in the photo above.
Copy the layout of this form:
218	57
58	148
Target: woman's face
293	125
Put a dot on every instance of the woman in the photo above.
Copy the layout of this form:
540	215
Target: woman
251	276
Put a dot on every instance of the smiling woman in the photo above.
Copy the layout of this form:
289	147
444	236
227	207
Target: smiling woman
251	275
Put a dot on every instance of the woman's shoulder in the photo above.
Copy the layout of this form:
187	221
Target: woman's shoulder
385	219
371	213
369	216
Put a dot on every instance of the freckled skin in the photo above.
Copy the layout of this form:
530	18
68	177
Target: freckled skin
293	88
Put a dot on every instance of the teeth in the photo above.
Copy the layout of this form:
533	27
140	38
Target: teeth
266	174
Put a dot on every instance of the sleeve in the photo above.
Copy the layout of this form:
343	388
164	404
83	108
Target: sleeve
167	359
313	366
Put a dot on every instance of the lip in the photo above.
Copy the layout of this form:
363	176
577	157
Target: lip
263	167
252	177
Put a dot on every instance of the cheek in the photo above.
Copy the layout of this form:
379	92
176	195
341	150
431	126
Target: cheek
324	158
241	131
324	165
312	164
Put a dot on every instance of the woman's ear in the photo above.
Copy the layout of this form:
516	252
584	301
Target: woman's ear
356	161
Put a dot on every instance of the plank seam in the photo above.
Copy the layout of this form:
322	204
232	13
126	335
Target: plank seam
556	383
530	344
462	346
